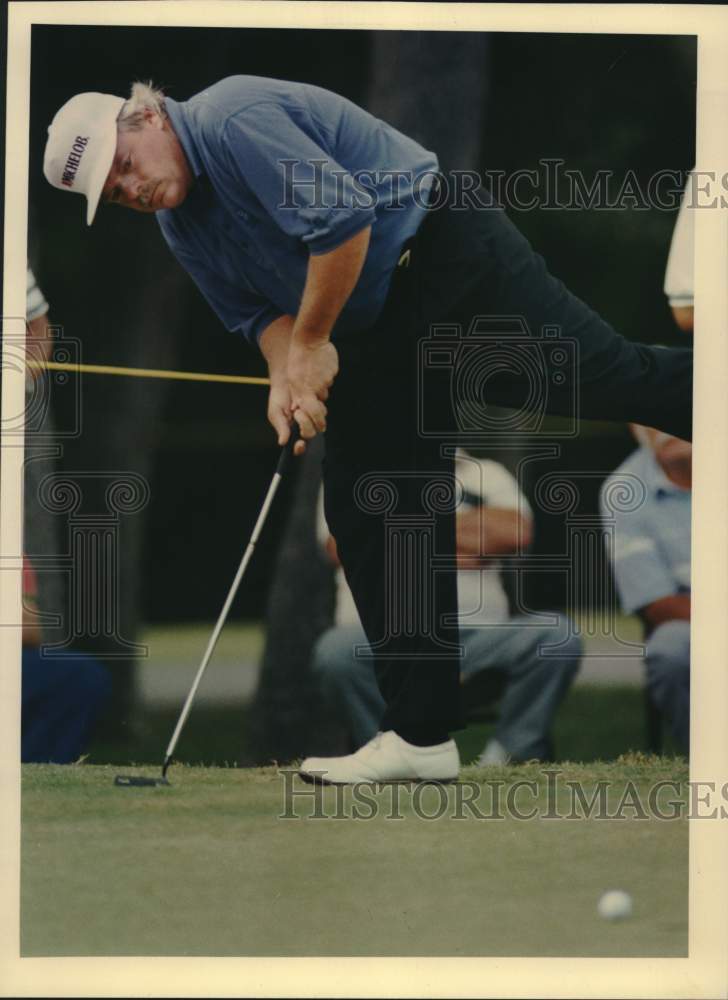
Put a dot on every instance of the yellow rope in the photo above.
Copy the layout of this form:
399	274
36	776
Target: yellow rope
146	373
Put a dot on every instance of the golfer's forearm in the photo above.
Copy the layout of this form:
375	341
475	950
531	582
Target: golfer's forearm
273	343
330	280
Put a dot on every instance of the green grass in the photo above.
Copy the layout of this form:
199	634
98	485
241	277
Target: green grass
208	867
186	641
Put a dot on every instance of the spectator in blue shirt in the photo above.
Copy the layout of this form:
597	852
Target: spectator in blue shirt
311	228
651	564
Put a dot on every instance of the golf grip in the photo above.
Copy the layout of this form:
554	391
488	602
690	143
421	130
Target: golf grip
283	464
287	452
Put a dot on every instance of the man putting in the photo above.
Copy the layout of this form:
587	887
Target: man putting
326	237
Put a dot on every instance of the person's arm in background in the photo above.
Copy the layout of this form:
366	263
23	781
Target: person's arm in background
679	274
500	524
484	533
39	342
331	551
674	455
32	635
683	316
38	339
666	609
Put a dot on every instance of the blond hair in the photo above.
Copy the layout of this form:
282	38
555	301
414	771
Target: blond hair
143	97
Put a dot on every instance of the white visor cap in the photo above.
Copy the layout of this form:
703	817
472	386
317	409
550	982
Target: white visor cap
81	146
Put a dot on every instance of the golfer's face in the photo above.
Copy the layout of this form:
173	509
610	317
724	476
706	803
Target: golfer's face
150	170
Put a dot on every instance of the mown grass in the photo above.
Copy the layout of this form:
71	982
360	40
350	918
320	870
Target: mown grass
207	866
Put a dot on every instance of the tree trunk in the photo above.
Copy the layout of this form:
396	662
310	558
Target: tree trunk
300	607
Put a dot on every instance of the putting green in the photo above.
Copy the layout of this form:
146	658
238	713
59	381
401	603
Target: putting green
207	866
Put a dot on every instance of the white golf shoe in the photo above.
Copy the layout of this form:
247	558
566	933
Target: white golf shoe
386	757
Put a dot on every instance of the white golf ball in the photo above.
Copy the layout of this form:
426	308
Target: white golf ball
615	905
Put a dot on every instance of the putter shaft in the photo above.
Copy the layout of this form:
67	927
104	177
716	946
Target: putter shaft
285	458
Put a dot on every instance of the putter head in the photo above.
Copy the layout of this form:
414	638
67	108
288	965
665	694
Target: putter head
134	781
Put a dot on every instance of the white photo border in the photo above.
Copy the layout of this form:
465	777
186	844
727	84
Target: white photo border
703	973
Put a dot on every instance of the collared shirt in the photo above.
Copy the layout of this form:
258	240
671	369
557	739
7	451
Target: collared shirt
282	171
650	539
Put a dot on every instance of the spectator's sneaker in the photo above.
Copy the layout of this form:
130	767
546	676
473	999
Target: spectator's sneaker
494	753
387	757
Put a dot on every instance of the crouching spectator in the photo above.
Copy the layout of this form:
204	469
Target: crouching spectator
651	564
527	666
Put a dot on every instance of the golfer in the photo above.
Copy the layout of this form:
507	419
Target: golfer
329	239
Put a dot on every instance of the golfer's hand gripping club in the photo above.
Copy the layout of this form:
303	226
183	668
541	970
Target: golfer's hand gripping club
283	465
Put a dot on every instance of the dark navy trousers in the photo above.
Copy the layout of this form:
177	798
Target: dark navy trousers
473	318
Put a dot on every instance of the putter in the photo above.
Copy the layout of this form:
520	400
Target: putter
132	781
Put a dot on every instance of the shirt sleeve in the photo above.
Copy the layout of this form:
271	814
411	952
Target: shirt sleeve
306	192
641	573
239	311
679	275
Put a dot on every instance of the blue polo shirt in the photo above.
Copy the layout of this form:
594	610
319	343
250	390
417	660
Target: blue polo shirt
651	552
282	171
